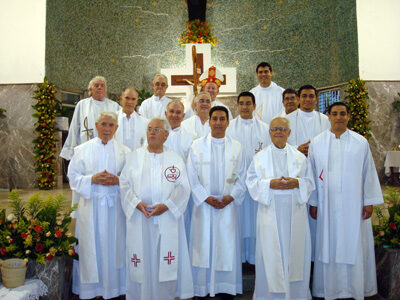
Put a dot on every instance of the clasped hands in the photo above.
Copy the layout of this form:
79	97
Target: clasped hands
219	204
284	183
151	211
105	178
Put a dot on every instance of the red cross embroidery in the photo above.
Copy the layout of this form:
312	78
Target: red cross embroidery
169	258
135	260
320	175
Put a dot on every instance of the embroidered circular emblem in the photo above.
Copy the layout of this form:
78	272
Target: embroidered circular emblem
211	73
172	173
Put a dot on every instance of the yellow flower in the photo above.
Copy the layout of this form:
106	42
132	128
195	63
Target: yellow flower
48	233
52	251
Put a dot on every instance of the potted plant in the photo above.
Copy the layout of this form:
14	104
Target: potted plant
387	241
37	230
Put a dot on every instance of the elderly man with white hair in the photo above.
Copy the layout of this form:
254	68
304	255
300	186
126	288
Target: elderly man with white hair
82	127
155	191
155	105
94	179
199	124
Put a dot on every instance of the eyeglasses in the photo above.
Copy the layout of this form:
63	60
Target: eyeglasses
162	84
284	129
156	130
204	101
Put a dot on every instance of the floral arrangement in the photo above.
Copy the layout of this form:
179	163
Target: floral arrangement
198	32
357	99
37	230
45	144
387	231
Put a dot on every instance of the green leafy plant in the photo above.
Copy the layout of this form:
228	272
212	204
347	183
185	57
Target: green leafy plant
2	112
143	94
46	108
37	229
387	231
357	99
396	103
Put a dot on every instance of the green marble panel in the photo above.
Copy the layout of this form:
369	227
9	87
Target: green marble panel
306	41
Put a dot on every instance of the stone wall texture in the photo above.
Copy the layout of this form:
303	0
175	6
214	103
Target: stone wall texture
16	135
129	41
385	120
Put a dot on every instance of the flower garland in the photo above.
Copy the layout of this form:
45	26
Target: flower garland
198	32
357	99
45	143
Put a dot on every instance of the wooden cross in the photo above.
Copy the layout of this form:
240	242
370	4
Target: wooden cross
192	79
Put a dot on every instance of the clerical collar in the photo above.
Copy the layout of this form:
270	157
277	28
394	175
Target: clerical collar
130	116
265	88
246	121
99	102
218	140
342	136
100	142
158	98
306	113
274	148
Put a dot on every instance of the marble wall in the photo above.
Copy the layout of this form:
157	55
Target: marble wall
385	120
16	135
129	41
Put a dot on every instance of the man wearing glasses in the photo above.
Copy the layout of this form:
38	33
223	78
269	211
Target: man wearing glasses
290	102
280	181
156	105
154	194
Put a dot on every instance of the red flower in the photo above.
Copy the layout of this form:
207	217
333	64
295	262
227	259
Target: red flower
58	233
24	235
392	226
49	257
39	247
3	250
38	228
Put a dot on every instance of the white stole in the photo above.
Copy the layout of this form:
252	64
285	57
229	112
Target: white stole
168	225
88	271
224	224
352	186
264	166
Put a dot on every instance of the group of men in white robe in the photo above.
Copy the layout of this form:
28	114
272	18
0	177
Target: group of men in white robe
187	219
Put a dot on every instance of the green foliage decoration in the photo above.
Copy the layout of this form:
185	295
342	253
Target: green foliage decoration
46	107
357	99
